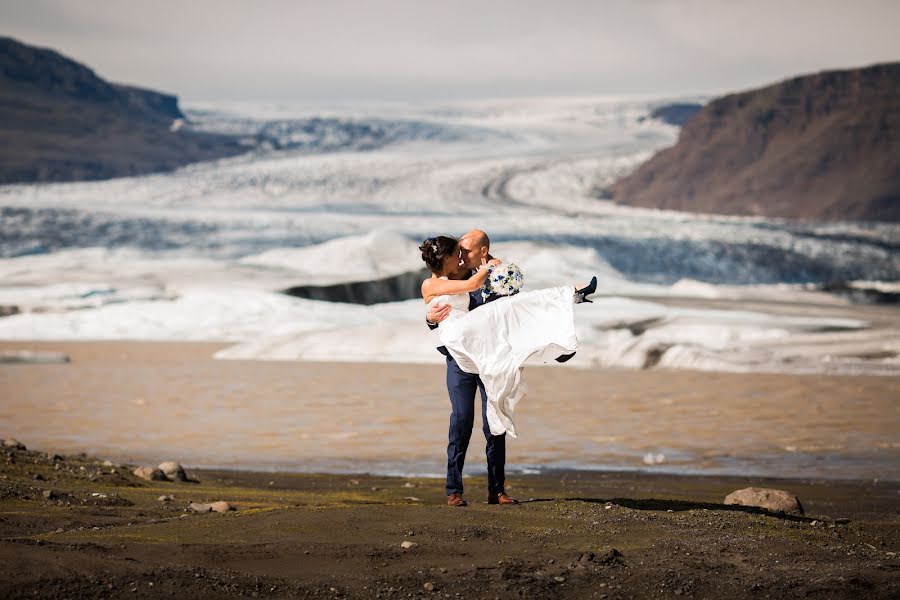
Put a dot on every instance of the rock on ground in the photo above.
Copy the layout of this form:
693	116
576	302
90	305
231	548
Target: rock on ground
150	474
767	498
221	506
173	470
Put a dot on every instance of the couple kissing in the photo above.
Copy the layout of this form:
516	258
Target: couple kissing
488	327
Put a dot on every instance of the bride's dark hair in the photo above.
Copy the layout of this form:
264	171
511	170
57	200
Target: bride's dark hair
435	249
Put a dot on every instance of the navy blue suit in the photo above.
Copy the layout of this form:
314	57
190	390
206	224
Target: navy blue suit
462	386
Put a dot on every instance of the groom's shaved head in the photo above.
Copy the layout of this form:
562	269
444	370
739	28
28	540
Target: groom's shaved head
478	238
474	248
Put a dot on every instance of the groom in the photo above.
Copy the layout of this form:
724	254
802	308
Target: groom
474	250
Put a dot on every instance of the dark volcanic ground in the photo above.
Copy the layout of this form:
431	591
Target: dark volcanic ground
578	535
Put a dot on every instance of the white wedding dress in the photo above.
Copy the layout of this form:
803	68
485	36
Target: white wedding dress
497	338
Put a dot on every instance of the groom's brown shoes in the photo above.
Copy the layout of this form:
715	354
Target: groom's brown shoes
501	498
456	499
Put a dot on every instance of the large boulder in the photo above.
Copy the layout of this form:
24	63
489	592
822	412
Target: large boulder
767	498
150	474
173	471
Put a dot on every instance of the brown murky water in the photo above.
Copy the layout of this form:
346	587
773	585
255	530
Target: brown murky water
146	402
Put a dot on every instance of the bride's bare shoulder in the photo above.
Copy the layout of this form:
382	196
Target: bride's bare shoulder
426	287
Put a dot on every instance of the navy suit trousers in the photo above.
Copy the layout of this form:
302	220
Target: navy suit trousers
462	387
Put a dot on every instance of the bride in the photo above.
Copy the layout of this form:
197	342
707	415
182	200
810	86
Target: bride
496	340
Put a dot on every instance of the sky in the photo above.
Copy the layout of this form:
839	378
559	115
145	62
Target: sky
415	50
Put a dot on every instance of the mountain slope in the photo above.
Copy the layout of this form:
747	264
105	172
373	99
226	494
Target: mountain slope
823	146
61	122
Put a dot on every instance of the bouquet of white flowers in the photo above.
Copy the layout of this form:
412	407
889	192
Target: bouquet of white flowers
505	279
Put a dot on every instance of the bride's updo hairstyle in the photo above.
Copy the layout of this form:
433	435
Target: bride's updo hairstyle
435	249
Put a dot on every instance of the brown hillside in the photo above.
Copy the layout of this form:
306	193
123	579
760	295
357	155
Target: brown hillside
59	121
824	146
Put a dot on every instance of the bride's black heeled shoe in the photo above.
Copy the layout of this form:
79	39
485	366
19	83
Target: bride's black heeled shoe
564	357
582	294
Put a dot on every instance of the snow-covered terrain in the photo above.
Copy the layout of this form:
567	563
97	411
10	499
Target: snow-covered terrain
334	195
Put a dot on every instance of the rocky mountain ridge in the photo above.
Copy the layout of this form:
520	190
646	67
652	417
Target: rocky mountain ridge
59	121
823	146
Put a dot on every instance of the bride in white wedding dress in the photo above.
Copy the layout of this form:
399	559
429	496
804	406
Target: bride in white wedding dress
496	340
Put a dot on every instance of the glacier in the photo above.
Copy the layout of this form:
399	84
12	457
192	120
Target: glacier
342	194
